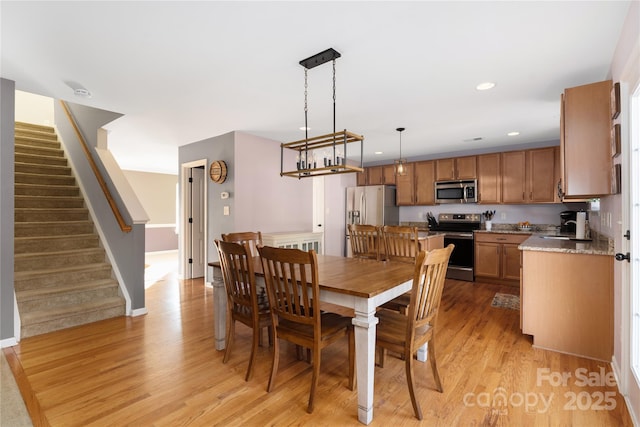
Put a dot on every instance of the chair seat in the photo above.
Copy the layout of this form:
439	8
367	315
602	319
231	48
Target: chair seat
392	328
330	323
399	303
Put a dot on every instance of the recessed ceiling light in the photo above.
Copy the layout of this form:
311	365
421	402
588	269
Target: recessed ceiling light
378	152
486	86
513	133
82	92
304	128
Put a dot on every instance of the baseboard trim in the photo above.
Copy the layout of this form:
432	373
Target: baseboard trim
138	312
8	342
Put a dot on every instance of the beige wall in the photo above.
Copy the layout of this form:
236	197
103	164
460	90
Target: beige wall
157	193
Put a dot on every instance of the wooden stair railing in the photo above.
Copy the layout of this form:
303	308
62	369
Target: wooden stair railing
107	193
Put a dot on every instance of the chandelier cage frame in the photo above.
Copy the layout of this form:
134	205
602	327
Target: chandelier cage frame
333	161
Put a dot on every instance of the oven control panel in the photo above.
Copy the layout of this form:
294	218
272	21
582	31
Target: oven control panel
453	217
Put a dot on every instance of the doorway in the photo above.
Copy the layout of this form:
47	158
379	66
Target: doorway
193	220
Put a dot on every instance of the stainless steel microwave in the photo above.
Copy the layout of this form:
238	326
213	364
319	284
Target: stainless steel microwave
460	191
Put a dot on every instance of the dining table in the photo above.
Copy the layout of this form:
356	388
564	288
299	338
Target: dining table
360	284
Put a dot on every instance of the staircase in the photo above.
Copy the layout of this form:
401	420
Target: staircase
62	275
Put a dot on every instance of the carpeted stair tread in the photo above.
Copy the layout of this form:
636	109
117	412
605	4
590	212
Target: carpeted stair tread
37	160
43	169
24	201
41	178
43	260
80	293
51	214
71	310
46	190
54	243
40	150
34	141
34	294
32	274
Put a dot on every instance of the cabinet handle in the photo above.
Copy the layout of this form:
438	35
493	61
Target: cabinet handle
501	238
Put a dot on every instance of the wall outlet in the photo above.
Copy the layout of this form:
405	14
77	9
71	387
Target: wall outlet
503	215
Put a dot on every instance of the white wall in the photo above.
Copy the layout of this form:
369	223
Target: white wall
34	109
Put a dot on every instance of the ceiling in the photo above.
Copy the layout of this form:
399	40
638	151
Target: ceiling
181	72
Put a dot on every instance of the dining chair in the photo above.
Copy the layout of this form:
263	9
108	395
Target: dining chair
405	334
291	276
253	238
365	241
242	298
400	244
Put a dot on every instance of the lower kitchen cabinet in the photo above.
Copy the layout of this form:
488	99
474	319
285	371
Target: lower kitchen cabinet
567	302
497	258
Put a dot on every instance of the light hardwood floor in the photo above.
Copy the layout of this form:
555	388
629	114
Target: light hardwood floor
162	370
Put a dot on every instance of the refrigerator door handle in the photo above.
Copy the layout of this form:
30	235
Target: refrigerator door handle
363	207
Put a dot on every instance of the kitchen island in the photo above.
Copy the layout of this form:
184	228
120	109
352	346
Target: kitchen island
566	295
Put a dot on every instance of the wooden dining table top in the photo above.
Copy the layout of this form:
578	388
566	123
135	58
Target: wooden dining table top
364	278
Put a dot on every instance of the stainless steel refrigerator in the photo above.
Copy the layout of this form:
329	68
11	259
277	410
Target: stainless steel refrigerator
370	204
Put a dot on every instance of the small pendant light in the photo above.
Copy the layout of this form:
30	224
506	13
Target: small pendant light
400	165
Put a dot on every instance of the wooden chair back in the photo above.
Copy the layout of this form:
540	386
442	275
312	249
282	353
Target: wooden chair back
244	302
253	238
365	241
291	276
238	276
426	294
406	333
400	243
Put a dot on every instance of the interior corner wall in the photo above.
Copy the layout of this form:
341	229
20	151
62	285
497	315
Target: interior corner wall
7	126
264	200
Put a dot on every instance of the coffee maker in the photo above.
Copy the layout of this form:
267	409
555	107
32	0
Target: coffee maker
565	225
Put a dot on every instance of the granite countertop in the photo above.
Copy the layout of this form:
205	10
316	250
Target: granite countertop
504	231
597	246
424	234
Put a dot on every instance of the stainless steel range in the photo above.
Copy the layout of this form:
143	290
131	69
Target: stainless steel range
458	229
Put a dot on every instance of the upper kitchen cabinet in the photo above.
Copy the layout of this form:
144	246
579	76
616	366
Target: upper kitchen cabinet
585	135
489	178
405	187
424	182
378	175
529	176
456	168
361	177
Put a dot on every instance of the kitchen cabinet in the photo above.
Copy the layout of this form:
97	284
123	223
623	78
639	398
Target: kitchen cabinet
378	175
489	178
456	168
361	177
528	176
567	302
585	138
405	187
497	258
424	183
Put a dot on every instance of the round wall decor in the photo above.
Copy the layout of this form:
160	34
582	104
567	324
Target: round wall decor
218	171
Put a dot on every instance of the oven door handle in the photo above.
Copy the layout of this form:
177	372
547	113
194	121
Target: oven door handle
464	236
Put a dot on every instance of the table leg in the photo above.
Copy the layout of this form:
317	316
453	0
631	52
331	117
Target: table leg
219	309
365	334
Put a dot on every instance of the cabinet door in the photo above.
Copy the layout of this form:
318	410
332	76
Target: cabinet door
489	178
513	176
466	167
445	169
374	175
585	137
541	175
510	262
405	187
424	181
487	259
388	175
361	177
